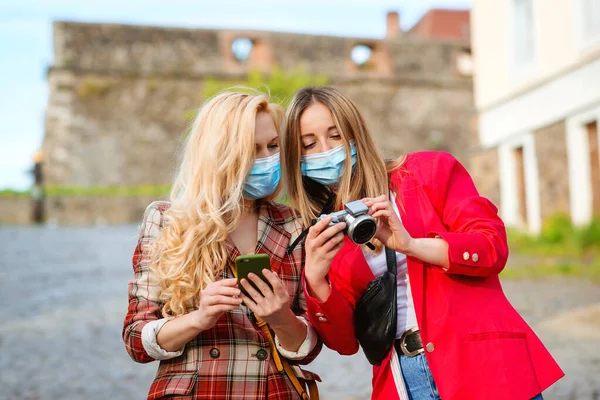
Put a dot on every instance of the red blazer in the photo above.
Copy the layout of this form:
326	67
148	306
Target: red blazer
478	346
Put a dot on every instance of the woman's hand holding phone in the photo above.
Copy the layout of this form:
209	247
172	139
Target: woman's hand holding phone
271	304
216	299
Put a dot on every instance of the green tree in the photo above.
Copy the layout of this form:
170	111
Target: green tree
279	83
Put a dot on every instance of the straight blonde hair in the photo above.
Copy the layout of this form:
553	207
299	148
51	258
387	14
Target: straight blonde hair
370	175
206	197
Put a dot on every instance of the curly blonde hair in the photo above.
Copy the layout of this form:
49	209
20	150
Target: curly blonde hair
206	197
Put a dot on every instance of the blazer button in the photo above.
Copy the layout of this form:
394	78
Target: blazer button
466	256
322	319
214	353
430	347
318	314
475	257
262	355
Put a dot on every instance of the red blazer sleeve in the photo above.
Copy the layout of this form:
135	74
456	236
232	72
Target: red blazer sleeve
476	235
333	318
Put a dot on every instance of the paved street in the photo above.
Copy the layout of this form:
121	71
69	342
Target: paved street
64	296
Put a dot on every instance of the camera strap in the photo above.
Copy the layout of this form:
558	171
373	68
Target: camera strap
326	208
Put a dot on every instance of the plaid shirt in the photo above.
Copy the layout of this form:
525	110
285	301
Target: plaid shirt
222	362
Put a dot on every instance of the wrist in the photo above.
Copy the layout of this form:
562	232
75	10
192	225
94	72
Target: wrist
198	321
411	247
287	318
315	278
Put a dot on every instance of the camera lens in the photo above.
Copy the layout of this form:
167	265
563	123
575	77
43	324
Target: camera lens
363	231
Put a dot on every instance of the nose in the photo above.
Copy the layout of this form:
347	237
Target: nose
325	147
262	153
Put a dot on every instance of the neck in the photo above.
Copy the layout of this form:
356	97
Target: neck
248	208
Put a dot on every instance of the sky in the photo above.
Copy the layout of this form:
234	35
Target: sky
26	45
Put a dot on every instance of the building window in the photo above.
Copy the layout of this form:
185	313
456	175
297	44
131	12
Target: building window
524	40
590	13
519	183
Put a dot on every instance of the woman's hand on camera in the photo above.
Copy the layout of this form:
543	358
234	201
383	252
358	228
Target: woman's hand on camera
216	299
390	231
271	305
322	244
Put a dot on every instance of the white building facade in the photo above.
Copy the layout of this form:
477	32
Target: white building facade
537	95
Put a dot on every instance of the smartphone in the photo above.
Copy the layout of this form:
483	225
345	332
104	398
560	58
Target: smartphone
254	263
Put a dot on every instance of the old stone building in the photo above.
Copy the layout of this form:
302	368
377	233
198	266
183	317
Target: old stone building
537	93
119	95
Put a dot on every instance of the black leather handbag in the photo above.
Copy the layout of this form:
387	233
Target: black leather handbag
375	316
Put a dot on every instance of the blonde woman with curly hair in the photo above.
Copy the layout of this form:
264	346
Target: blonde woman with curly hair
185	307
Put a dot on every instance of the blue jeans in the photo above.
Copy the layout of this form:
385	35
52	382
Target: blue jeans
418	380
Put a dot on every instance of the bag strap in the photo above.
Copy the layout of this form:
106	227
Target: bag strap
282	364
390	259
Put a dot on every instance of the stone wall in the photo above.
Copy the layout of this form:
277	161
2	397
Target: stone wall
121	96
16	210
483	166
551	148
85	210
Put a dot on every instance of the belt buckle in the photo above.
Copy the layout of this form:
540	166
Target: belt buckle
405	351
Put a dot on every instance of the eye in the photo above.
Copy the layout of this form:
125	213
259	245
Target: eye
273	146
309	146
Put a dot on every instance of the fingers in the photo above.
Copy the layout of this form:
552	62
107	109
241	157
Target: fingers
231	282
262	286
222	290
382	213
319	227
250	303
222	300
327	234
275	282
371	200
334	242
254	294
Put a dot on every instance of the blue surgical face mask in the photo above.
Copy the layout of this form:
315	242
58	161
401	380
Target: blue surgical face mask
328	167
263	179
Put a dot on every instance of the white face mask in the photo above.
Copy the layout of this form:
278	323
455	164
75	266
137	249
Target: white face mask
327	167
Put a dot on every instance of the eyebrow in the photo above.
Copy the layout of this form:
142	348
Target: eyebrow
331	128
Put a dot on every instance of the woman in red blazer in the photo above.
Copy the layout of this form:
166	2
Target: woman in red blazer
458	336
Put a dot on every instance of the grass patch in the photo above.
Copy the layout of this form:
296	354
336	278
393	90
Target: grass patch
13	193
545	269
560	249
558	238
107	191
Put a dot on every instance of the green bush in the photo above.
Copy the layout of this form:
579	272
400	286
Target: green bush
282	85
589	235
557	229
558	237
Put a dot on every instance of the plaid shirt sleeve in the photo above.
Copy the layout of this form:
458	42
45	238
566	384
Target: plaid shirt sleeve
144	291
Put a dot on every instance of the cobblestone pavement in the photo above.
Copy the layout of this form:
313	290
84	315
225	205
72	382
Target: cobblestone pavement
64	296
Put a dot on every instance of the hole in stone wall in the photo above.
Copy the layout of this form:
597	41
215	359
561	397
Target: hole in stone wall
361	54
241	49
